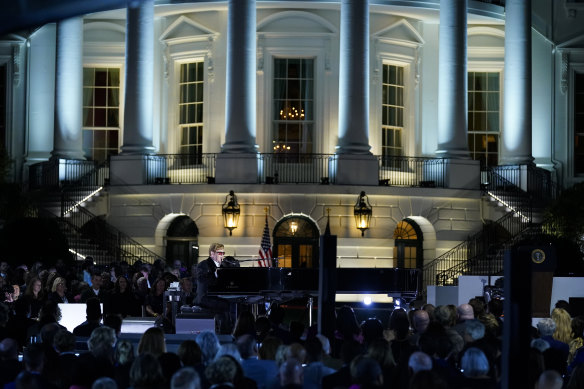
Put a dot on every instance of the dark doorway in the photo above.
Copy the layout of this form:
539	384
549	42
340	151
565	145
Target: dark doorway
182	242
296	242
408	249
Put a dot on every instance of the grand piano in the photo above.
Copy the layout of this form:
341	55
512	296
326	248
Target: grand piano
280	283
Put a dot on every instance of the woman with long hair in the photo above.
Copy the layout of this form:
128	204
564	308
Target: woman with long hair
563	321
122	300
152	341
154	303
34	296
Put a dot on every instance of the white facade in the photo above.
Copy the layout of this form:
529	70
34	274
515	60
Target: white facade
399	35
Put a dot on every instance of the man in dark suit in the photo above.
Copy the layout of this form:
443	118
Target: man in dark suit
207	276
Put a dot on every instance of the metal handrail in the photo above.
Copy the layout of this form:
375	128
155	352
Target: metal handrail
412	171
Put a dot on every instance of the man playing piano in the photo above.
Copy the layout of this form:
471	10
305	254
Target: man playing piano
207	275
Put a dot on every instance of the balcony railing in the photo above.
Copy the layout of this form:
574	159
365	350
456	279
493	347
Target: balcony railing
277	168
181	168
411	171
295	168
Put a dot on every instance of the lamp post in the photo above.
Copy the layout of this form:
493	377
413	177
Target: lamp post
362	212
230	212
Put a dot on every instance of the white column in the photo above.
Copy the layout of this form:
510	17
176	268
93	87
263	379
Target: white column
139	74
452	81
354	78
67	143
240	94
516	135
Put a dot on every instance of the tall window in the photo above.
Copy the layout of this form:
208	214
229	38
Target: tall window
191	109
484	117
2	107
101	112
293	118
392	119
579	123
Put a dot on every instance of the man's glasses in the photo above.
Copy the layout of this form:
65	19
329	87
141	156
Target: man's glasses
220	252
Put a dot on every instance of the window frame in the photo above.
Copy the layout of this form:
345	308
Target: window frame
120	68
489	69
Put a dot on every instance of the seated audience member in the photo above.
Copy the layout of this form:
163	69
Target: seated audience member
419	361
209	344
93	316
342	377
366	373
291	374
464	312
549	379
99	361
152	341
64	344
9	364
380	350
558	350
315	370
123	358
146	372
19	322
475	367
34	369
170	364
104	383
327	359
260	370
185	378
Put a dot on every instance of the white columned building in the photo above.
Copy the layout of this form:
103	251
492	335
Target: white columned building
452	81
139	76
239	159
354	162
516	137
461	171
129	167
67	143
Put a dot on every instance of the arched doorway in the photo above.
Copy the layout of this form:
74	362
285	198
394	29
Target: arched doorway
296	242
408	248
181	241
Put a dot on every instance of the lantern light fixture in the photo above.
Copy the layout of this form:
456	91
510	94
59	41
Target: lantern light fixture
230	212
363	212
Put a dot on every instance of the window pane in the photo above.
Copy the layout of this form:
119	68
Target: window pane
112	117
100	117
100	77
113	99
100	96
192	72
88	77
307	68
199	92
392	95
493	101
99	139
200	72
280	68
87	117
87	96
493	121
480	82
112	139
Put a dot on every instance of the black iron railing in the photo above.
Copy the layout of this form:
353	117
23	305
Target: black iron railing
412	171
296	168
181	168
59	172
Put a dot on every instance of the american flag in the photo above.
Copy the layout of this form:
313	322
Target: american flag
265	248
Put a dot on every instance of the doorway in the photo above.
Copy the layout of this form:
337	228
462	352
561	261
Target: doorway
296	240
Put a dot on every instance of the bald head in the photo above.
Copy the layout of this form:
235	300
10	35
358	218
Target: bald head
421	320
465	312
549	379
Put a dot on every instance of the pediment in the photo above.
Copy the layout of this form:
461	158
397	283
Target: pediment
185	29
296	23
400	32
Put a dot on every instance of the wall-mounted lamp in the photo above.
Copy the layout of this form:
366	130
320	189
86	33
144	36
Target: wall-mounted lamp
230	212
363	212
293	227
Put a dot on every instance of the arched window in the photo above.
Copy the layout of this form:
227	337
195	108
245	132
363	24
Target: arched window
408	245
181	241
296	242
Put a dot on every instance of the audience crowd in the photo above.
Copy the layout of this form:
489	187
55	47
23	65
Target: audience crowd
429	347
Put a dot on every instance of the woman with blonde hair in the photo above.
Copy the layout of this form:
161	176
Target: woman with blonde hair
152	341
563	321
58	291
